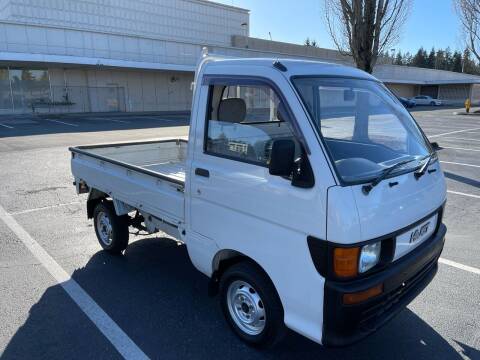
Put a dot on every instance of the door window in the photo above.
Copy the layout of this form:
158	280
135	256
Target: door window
243	121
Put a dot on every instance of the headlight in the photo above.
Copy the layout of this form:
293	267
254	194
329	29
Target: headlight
369	256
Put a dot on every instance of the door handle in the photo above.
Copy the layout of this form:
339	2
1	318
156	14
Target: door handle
202	172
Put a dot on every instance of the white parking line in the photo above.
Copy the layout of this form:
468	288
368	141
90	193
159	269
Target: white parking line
457	138
458	148
61	122
463	194
459	266
10	127
44	208
454	132
455	163
124	345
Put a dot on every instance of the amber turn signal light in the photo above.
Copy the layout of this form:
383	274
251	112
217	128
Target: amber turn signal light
345	262
358	297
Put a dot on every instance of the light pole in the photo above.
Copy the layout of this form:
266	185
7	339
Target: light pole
393	55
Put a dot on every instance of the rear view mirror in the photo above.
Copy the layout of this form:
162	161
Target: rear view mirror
282	157
435	146
348	95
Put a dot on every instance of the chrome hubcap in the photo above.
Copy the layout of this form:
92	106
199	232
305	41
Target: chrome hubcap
104	227
246	307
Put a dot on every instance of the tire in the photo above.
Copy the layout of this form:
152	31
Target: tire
111	229
432	103
260	299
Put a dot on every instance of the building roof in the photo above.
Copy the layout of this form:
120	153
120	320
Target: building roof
397	74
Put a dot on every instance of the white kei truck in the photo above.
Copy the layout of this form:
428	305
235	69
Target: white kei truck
306	193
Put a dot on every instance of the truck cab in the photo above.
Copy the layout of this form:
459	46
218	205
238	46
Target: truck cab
306	192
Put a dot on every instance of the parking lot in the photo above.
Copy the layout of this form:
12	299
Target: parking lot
154	295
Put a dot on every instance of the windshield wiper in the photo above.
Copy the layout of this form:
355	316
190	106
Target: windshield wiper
367	188
420	172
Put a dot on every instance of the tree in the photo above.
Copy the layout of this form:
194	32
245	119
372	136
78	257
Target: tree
448	59
399	58
431	59
440	60
469	65
420	58
456	62
312	43
407	59
364	29
469	13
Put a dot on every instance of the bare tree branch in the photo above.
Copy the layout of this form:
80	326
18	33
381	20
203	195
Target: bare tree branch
469	13
364	29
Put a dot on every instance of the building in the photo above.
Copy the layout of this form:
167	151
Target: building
123	55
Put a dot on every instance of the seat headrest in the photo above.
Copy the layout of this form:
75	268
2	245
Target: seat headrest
232	110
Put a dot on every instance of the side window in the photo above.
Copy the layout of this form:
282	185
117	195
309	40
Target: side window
243	121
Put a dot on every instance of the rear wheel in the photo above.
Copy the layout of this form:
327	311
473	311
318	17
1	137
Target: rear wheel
432	103
251	305
111	229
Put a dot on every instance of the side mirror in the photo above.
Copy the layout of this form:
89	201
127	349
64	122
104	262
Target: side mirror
282	158
435	146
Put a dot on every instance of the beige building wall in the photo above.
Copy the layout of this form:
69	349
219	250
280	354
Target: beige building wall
404	90
134	90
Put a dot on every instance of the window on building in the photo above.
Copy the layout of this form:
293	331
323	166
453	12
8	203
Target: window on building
5	95
243	122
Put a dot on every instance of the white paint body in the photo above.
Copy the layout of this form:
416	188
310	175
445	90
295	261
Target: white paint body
242	207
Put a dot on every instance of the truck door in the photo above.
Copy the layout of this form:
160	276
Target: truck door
234	201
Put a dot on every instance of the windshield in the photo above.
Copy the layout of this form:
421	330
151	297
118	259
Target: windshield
365	128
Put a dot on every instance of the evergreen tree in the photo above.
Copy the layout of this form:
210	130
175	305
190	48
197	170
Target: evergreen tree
431	59
420	58
399	59
469	65
440	60
407	59
456	62
448	64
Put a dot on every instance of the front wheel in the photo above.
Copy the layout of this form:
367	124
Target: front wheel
251	305
111	229
432	103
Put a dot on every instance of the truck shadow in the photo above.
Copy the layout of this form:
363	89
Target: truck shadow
157	297
462	179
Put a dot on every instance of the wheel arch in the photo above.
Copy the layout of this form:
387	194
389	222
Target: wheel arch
225	258
94	197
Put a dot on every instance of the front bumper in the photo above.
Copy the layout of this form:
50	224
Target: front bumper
402	281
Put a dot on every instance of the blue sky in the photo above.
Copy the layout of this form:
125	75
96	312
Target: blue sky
431	23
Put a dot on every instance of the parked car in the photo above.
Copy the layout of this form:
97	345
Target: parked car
408	103
305	193
426	100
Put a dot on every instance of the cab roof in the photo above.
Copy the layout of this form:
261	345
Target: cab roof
294	67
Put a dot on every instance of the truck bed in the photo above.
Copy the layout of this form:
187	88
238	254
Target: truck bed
164	157
148	175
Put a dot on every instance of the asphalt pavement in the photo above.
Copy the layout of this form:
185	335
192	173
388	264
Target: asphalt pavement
154	295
